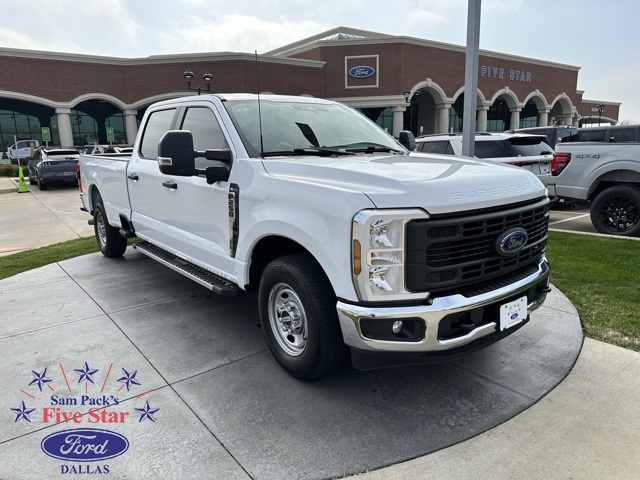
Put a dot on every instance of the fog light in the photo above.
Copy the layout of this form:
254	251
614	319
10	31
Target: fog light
397	326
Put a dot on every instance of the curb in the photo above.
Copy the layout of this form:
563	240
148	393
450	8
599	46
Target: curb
8	185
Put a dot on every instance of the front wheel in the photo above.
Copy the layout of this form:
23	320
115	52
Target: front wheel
110	242
616	211
299	318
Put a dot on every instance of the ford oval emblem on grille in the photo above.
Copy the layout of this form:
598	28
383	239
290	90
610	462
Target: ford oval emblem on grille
361	71
511	241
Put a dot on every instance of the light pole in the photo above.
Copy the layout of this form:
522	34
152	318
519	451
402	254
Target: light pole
410	101
207	77
600	108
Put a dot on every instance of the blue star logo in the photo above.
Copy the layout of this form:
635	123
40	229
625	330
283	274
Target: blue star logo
85	374
40	378
23	412
129	379
147	412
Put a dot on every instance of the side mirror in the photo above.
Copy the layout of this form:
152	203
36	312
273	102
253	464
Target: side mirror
407	140
175	153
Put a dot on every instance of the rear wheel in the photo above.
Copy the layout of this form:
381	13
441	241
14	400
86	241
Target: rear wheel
299	318
616	211
110	242
41	185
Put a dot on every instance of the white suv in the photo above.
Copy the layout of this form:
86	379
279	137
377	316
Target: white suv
526	151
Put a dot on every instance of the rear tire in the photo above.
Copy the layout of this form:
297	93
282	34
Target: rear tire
616	211
41	185
299	318
109	240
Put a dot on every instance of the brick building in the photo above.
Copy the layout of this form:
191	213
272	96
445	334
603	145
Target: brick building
400	82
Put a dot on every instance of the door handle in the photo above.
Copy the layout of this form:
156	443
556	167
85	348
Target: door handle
132	176
168	184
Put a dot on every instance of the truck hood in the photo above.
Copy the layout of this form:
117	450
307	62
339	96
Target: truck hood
436	183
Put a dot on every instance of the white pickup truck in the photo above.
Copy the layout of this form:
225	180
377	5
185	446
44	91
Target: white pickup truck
605	174
349	241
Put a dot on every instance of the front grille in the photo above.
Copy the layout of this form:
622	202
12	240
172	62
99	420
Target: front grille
462	252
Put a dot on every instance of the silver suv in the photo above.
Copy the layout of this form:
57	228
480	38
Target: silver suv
526	151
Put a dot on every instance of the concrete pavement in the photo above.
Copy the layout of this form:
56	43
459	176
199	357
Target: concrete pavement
519	409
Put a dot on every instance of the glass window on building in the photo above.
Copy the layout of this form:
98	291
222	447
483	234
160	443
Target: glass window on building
529	115
23	121
498	116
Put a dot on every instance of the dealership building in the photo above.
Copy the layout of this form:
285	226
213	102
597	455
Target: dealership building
402	83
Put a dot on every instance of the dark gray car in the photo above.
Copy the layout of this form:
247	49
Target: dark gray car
53	166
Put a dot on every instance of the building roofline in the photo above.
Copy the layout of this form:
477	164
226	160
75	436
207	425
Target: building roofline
373	38
157	59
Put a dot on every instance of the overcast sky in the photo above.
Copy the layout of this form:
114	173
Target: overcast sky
599	36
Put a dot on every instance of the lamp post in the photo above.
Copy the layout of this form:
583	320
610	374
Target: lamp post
410	100
600	108
207	77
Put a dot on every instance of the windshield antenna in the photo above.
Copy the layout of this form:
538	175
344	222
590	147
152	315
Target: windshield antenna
259	110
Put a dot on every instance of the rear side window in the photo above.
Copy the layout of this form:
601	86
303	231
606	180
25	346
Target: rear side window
436	147
157	125
591	135
622	135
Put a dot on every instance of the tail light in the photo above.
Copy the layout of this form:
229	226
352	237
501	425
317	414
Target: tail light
78	176
559	163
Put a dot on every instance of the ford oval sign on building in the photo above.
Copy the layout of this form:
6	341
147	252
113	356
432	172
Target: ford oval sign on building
84	445
361	71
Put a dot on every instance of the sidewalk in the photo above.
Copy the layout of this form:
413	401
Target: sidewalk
588	427
36	219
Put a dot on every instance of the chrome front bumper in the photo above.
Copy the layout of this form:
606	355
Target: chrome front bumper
350	316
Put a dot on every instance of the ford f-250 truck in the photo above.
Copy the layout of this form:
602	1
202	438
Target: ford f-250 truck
349	241
608	176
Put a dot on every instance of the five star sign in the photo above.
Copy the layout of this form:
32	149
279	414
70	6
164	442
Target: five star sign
128	379
23	412
85	374
147	412
40	378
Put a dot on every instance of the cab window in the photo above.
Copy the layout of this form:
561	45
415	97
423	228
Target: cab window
206	131
158	124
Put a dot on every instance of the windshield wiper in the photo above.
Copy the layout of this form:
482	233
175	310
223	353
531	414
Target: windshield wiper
319	152
372	149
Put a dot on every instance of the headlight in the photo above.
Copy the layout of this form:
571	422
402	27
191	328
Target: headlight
378	254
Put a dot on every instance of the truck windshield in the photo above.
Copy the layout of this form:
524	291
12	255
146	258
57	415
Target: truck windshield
306	128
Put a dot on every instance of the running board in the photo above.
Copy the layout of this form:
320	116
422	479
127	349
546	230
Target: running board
209	280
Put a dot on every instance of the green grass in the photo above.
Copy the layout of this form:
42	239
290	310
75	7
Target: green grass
30	259
600	275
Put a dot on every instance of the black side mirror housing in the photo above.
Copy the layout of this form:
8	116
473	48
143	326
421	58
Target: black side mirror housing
407	140
176	154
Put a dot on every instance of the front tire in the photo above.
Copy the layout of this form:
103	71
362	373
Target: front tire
616	211
299	318
109	240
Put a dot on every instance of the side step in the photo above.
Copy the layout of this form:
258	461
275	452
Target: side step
207	279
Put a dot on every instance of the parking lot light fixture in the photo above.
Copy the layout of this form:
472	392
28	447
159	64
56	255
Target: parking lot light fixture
207	77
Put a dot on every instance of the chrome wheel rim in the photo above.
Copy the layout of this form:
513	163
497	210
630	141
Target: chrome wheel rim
287	319
101	229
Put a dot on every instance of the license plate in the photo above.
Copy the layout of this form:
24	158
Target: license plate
513	313
545	169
